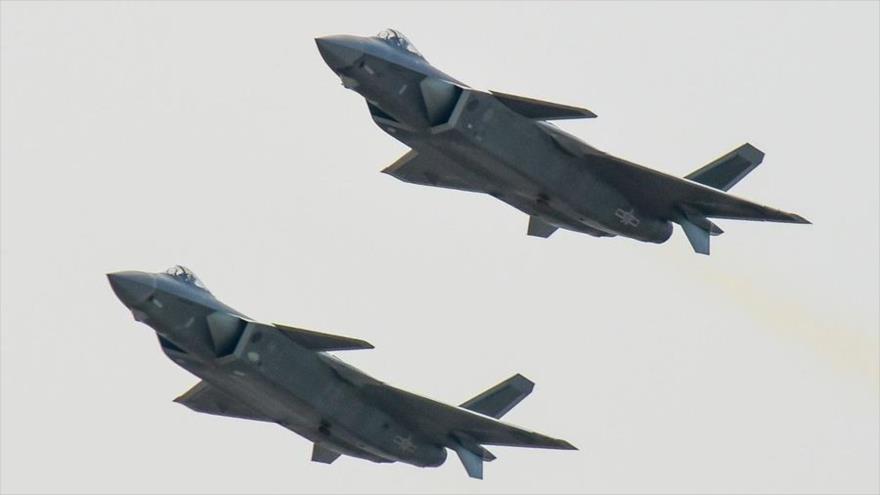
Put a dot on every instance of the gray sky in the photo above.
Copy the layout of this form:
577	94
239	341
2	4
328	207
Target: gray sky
140	135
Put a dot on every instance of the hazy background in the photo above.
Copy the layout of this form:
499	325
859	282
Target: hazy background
140	135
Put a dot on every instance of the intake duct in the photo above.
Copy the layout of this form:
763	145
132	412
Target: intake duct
225	330
440	98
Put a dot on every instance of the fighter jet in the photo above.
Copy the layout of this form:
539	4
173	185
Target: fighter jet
503	145
286	375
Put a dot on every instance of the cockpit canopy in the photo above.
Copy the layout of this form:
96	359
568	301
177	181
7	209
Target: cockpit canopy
396	39
184	274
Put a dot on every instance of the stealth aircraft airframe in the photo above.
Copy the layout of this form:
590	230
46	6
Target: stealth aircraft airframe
285	375
502	145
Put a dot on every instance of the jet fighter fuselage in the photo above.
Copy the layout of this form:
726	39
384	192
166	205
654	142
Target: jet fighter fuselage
259	368
502	145
285	375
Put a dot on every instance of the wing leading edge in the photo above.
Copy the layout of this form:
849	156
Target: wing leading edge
465	431
690	204
667	194
443	421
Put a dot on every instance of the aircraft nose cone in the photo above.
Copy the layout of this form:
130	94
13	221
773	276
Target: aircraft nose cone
338	51
132	288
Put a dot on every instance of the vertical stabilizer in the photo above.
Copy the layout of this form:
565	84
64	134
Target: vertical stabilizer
501	398
724	172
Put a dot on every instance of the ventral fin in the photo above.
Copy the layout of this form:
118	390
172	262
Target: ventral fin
540	228
323	454
472	462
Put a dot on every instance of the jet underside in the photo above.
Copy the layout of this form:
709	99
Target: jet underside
286	375
502	144
283	383
486	147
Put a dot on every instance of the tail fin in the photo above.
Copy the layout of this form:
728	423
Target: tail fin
501	398
724	172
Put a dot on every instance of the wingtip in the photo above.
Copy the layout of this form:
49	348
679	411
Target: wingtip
359	345
794	218
568	446
799	219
